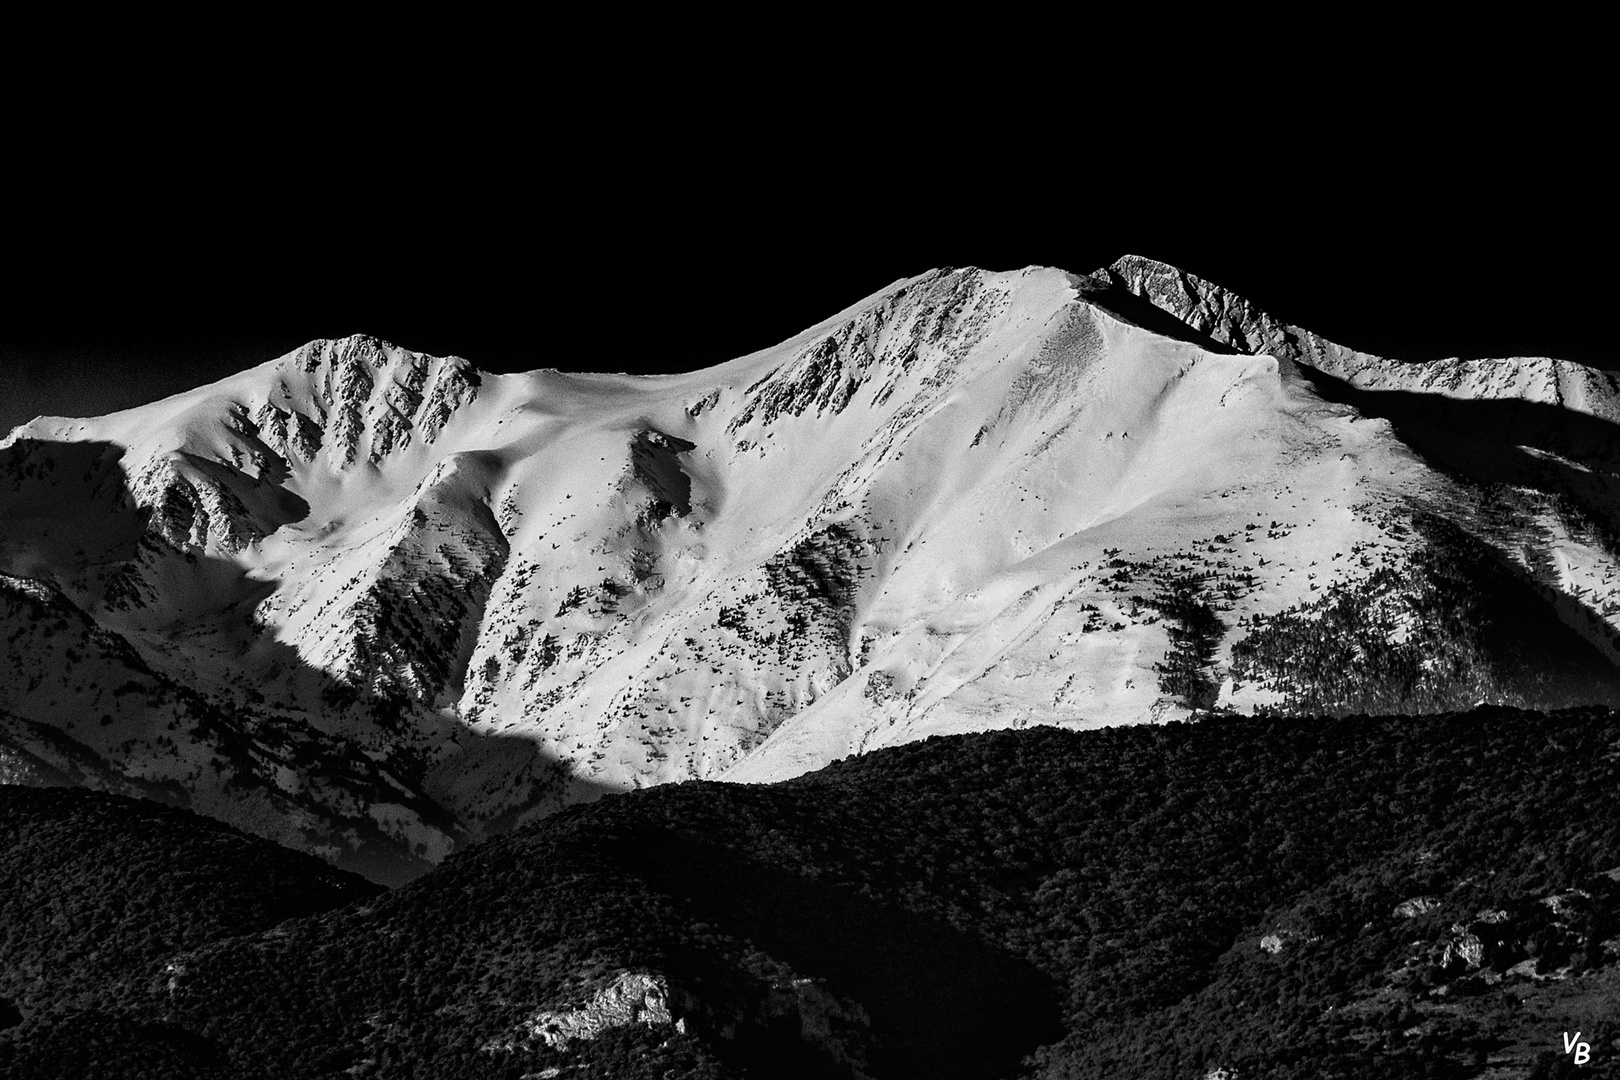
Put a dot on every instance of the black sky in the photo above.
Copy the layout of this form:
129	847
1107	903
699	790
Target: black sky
668	231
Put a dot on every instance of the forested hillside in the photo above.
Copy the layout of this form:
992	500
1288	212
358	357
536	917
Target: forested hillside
98	895
1358	897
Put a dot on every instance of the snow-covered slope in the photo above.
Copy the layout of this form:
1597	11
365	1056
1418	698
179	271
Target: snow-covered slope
972	500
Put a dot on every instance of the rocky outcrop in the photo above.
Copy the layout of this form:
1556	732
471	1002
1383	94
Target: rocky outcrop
454	387
1279	940
633	997
1525	938
374	398
926	327
289	432
1224	316
784	1016
1462	947
655	464
1417	905
192	513
1553	405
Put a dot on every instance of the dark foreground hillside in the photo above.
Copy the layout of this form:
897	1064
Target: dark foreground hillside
98	894
1430	897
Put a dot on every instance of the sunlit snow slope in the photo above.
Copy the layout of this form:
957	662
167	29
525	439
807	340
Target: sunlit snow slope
372	603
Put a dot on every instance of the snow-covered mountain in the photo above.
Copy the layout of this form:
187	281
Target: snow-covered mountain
373	603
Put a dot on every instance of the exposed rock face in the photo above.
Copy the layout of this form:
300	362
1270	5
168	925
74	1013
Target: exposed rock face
1235	322
1210	309
801	1011
1563	904
655	462
879	687
290	433
192	513
631	998
370	392
1417	905
1463	947
929	325
1279	940
1529	938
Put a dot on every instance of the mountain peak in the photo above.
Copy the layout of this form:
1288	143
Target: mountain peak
363	390
972	499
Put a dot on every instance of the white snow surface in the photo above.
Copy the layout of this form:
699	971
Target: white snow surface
898	523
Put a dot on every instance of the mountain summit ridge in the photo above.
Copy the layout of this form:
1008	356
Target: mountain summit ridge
1234	320
410	602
